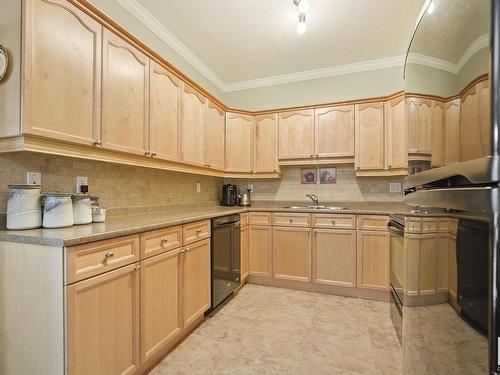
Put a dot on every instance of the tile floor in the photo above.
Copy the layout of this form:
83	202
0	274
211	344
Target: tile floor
266	330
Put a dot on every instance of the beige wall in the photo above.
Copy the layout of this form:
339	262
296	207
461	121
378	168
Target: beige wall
118	186
347	189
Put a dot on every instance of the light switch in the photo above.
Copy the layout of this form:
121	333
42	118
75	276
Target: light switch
198	187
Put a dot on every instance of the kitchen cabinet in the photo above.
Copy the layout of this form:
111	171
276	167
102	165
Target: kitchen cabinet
266	143
193	126
165	104
160	302
239	142
419	117
215	136
442	263
292	253
125	96
373	259
396	149
296	135
196	281
103	323
260	250
334	257
452	131
369	136
334	131
244	244
438	133
429	246
62	92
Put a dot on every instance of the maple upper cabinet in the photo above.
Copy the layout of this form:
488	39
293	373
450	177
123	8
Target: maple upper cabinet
215	136
419	118
239	142
125	96
266	143
437	158
452	131
62	72
165	103
334	132
396	149
296	135
370	136
193	126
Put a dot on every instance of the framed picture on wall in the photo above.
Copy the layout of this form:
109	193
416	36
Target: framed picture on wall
328	175
308	175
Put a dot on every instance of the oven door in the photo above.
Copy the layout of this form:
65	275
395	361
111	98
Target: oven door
396	259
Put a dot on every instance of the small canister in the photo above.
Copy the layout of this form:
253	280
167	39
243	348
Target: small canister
24	208
82	209
57	210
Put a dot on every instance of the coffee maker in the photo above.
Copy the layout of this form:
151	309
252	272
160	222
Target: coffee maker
229	195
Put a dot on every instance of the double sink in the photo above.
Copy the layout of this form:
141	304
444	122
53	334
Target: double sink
316	207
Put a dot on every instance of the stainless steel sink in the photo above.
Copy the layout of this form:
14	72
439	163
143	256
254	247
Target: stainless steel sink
316	208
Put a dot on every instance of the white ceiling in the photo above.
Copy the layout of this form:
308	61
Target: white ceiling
249	43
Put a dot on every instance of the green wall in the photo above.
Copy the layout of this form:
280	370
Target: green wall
477	65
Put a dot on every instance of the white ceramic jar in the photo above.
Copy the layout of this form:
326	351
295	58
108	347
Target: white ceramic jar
98	215
24	208
82	209
57	210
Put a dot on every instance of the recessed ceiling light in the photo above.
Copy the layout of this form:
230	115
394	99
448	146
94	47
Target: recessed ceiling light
301	26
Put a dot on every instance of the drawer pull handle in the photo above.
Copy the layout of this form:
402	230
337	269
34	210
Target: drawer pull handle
198	231
333	222
109	254
164	241
290	219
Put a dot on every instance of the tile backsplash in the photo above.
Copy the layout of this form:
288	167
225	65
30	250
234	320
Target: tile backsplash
118	186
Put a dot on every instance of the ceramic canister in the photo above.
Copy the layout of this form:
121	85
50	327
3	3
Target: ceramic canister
24	208
82	209
57	210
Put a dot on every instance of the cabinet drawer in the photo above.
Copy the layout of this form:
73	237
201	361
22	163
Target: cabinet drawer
413	225
259	218
292	219
195	231
334	221
244	219
159	241
373	222
430	225
83	261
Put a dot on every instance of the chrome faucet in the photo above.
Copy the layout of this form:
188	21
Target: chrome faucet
314	198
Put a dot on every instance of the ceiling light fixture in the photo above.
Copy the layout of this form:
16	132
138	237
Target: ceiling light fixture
301	26
430	8
303	5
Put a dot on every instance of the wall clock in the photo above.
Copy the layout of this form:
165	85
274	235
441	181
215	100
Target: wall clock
4	62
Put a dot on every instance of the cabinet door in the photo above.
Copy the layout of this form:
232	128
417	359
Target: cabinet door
125	96
412	124
296	134
244	252
196	275
161	302
239	142
215	137
396	148
62	72
292	253
334	257
193	126
484	117
452	131
165	97
370	136
334	131
437	159
452	266
442	264
373	260
103	323
266	143
424	126
260	251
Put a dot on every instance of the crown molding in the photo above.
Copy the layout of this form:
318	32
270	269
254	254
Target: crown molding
433	62
480	43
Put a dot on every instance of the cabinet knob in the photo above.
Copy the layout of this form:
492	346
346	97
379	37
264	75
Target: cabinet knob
153	154
183	251
311	155
290	219
147	153
109	254
198	231
137	268
187	249
164	241
333	222
97	142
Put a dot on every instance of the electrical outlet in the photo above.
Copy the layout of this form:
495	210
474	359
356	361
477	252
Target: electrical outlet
395	187
33	178
198	187
79	182
250	188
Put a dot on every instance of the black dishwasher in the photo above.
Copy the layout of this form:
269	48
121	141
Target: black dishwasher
225	257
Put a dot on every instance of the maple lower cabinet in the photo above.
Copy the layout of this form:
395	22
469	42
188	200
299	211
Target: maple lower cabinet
196	281
370	136
244	243
193	126
438	134
396	140
296	135
373	259
215	137
161	302
266	143
292	253
334	132
260	250
165	104
452	131
62	90
125	96
334	257
239	142
103	323
452	266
